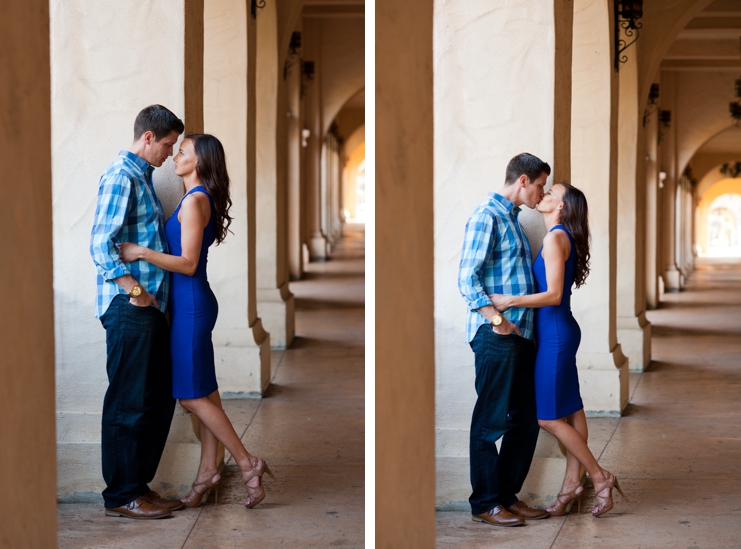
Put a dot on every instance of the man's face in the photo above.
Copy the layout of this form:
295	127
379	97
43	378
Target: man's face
156	152
534	191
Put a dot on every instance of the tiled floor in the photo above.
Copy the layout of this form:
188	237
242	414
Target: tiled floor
310	426
676	451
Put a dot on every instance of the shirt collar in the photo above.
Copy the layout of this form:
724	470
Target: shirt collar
507	203
138	161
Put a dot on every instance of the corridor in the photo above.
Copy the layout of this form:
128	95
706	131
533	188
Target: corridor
309	428
675	451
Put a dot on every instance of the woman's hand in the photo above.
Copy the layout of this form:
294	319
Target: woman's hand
500	302
130	252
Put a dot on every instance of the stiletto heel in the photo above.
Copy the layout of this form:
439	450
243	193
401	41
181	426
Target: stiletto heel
196	496
559	509
255	494
607	504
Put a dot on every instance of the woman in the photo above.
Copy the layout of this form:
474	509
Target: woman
201	218
562	262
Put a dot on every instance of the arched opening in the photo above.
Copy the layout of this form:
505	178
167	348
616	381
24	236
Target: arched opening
718	218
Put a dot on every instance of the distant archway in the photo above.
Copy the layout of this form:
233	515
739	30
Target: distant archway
719	220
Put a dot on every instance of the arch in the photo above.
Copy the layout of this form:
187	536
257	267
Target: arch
724	186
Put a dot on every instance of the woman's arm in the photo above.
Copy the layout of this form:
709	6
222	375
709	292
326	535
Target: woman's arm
556	248
195	212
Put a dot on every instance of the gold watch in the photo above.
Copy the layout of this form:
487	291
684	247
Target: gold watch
136	291
497	319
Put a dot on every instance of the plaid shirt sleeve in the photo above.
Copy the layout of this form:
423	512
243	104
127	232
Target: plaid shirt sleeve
114	205
476	253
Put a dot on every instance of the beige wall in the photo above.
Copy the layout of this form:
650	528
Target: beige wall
475	137
103	74
27	434
405	361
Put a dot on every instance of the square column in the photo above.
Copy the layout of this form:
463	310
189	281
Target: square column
603	369
241	343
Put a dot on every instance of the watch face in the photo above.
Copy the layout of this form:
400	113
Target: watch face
136	291
497	320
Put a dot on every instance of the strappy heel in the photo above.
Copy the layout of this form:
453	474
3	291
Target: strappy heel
255	494
607	504
562	502
196	496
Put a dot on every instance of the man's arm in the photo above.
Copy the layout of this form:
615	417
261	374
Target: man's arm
477	247
114	205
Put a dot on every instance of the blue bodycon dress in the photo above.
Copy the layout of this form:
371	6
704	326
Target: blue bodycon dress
558	336
193	310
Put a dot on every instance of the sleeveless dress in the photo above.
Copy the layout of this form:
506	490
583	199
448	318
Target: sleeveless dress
558	336
193	310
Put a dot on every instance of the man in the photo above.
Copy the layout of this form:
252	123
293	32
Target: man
496	258
131	303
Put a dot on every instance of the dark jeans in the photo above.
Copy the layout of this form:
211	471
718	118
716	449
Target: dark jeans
138	406
505	407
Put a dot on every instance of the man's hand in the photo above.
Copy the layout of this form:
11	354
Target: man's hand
144	300
506	328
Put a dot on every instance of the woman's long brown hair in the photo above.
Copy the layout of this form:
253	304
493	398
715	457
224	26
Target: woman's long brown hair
211	170
575	217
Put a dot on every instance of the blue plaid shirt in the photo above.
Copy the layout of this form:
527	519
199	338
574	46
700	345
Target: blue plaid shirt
128	211
496	259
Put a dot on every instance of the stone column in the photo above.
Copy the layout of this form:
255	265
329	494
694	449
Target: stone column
633	330
670	273
405	374
240	341
316	240
651	278
27	431
275	302
294	154
603	369
475	138
102	76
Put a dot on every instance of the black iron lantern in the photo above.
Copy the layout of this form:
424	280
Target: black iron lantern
626	16
665	122
292	57
295	42
653	103
307	75
735	109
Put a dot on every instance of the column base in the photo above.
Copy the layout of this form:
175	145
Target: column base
672	280
242	361
603	382
79	475
634	334
276	310
318	248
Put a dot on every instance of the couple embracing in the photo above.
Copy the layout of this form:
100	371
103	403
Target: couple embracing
511	301
148	267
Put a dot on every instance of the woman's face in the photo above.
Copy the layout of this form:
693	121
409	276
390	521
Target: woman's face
186	159
553	199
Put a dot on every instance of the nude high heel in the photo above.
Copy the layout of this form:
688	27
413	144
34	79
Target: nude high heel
563	499
607	504
255	494
196	495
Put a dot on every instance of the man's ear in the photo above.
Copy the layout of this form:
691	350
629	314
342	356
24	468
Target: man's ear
523	179
148	137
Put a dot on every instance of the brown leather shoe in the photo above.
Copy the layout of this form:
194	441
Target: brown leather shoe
155	499
522	510
498	516
139	509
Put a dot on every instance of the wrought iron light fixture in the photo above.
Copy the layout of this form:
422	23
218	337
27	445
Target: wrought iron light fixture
307	75
653	103
731	169
735	106
292	57
256	4
665	122
626	16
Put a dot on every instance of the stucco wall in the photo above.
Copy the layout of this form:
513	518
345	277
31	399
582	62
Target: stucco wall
106	66
494	98
28	509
